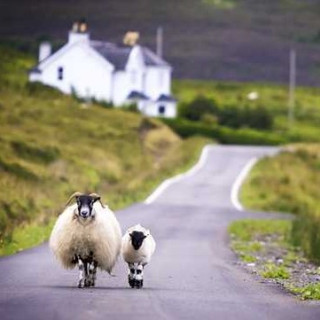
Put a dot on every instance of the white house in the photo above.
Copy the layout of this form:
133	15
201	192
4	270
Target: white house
108	72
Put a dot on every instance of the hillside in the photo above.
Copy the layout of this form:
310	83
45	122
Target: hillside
240	40
52	145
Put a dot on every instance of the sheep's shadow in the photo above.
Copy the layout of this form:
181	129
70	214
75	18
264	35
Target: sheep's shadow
102	288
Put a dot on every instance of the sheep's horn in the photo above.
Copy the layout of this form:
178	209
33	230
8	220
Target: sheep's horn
76	194
97	197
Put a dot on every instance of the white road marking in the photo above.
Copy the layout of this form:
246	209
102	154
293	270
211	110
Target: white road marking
238	182
166	183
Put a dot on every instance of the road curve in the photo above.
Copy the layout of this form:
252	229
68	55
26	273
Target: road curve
193	274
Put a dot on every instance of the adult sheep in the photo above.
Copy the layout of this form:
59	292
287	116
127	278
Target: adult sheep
86	234
138	246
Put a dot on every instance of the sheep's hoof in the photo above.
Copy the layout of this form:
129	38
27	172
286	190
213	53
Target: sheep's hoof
87	283
138	284
80	285
131	282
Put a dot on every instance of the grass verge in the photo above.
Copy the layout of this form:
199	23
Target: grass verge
289	182
264	248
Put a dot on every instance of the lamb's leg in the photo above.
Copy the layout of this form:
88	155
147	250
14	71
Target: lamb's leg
139	276
131	274
81	272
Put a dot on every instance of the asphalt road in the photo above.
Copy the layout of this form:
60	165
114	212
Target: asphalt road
193	274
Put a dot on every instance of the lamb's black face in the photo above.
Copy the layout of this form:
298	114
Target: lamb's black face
137	238
85	205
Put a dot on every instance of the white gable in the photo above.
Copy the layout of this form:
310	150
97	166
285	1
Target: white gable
135	61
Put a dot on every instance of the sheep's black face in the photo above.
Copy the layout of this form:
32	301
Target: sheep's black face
137	238
85	205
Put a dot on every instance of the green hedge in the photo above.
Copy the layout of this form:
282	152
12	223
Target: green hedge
241	114
225	135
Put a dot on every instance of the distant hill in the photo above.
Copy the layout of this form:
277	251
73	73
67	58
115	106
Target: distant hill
242	40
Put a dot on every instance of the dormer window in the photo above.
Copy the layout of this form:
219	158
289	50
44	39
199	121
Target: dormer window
60	73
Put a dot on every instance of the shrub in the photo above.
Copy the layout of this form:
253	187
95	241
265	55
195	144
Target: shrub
41	90
305	233
132	107
245	116
233	116
43	155
226	135
197	108
17	170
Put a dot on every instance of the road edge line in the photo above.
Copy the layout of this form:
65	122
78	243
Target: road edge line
238	182
168	182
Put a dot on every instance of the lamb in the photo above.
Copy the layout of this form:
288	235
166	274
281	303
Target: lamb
86	234
138	246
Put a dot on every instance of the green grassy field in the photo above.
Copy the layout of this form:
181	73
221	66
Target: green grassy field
52	145
274	98
289	182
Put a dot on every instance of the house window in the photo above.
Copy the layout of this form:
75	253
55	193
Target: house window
60	73
162	110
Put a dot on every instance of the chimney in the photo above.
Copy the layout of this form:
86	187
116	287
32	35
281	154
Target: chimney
44	50
79	32
131	38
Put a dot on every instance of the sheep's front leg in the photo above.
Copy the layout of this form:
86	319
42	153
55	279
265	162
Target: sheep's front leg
92	273
81	272
87	275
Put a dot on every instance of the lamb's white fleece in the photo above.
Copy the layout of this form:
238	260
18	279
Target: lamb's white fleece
144	253
72	236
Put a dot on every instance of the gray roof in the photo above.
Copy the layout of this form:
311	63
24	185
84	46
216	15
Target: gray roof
151	59
166	98
34	69
136	95
118	55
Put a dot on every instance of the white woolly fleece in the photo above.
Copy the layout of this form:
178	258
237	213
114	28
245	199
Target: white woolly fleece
144	253
72	236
